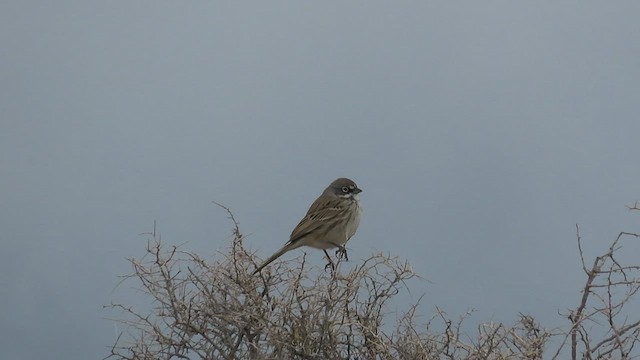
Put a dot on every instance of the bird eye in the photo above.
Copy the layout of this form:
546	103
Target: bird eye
345	189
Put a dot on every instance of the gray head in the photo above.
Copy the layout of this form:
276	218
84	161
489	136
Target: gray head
342	187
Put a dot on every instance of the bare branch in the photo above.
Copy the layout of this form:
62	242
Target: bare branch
202	309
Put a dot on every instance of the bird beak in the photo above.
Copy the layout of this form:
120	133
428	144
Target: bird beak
357	191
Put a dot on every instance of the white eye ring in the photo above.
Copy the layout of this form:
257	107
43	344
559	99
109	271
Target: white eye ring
345	189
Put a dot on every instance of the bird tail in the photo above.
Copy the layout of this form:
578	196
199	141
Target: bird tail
279	253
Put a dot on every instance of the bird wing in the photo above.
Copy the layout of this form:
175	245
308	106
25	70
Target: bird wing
321	212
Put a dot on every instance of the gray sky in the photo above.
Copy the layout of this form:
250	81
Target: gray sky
481	133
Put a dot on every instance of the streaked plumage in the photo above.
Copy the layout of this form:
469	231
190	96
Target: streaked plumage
330	221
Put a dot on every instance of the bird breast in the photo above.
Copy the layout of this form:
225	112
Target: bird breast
354	220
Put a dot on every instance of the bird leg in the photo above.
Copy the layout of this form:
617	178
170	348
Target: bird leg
330	263
341	253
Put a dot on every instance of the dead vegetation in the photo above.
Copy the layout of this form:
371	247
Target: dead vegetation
218	310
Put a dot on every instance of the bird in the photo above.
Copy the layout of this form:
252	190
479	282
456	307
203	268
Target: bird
330	222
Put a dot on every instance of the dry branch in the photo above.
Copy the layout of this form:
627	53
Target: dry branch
200	309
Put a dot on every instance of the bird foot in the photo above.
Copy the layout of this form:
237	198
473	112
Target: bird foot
330	265
341	253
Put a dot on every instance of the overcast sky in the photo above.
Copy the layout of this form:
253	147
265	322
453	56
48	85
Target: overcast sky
480	132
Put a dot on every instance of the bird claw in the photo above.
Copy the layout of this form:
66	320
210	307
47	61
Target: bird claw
330	265
341	253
